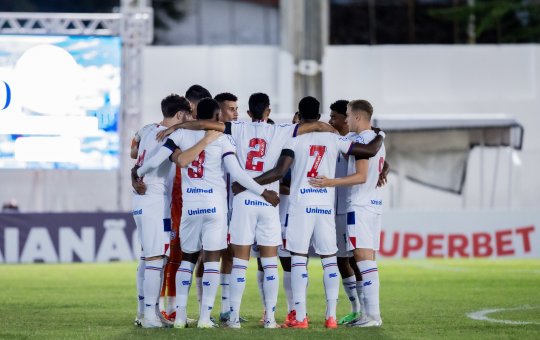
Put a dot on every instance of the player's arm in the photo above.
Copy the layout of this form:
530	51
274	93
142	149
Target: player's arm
134	148
278	172
383	175
192	125
232	166
303	128
185	158
163	153
366	151
359	177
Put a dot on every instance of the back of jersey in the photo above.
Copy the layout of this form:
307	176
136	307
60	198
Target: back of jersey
159	180
203	179
367	194
315	154
259	145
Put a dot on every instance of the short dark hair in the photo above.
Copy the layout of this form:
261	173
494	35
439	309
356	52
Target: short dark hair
270	121
363	106
173	103
340	106
308	108
196	93
206	108
258	102
225	96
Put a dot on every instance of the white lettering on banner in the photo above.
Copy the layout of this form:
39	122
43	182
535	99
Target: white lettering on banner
114	245
39	246
11	245
469	235
70	244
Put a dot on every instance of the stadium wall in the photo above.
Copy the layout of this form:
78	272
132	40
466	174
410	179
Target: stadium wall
105	237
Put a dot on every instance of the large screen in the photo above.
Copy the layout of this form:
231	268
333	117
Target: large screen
59	102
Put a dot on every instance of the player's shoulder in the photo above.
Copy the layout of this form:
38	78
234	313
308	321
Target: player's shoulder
146	129
367	136
225	139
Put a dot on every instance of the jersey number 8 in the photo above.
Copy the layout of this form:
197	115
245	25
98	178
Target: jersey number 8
196	169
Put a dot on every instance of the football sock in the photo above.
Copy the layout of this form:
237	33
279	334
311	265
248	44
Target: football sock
183	283
331	284
210	282
270	286
288	290
370	287
361	297
299	279
140	289
238	284
260	281
225	281
349	286
152	286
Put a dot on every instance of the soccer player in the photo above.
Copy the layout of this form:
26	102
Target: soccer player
350	280
204	218
168	291
259	145
311	211
151	211
364	208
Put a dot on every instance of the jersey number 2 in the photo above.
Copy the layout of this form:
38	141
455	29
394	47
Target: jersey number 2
196	169
319	151
259	150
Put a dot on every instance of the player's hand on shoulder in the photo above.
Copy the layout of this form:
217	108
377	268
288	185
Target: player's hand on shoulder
319	182
237	188
165	133
212	135
271	197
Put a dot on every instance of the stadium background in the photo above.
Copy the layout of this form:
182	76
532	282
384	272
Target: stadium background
440	59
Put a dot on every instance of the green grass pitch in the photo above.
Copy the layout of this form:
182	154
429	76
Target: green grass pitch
419	299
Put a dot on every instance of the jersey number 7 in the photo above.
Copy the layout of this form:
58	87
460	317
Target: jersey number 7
318	150
196	169
259	151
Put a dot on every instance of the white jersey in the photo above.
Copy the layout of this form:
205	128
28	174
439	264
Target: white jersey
259	145
315	154
367	194
342	192
159	180
203	179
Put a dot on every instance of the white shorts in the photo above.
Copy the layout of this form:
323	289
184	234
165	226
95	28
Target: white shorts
282	251
152	215
311	223
254	220
363	229
203	226
341	236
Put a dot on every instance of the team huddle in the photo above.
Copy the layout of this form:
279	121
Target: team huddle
209	192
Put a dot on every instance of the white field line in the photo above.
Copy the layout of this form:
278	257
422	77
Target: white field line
482	315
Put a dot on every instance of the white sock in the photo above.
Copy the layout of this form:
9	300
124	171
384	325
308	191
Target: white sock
331	284
225	281
299	280
270	286
210	281
152	287
349	286
288	290
260	281
361	297
170	302
238	284
370	287
140	289
184	275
